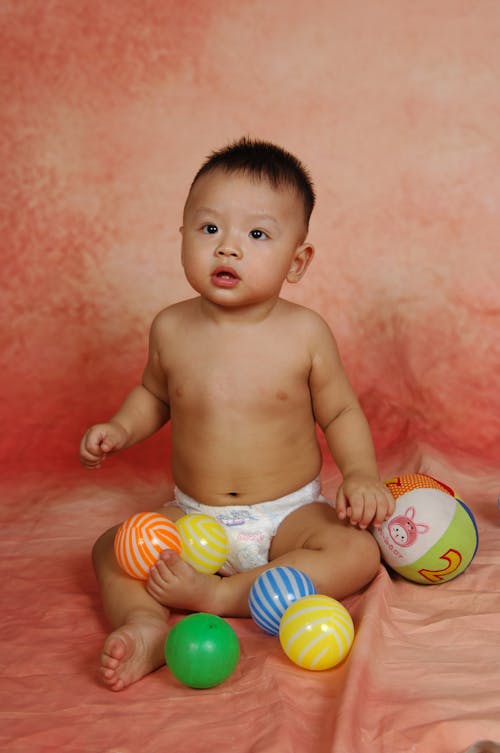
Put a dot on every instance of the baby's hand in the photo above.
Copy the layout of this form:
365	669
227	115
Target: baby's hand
365	501
99	441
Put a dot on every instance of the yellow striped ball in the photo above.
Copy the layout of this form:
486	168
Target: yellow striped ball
316	632
140	539
204	542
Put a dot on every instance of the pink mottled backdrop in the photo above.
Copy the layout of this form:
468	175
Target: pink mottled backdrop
108	108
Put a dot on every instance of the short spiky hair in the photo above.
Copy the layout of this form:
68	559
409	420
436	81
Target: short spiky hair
264	161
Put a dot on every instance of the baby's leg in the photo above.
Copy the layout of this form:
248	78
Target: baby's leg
339	558
135	647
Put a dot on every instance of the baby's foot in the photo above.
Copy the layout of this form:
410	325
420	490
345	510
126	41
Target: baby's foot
174	583
132	651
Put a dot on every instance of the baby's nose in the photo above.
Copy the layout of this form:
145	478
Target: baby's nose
228	251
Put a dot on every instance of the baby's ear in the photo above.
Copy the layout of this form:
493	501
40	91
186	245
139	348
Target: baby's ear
301	259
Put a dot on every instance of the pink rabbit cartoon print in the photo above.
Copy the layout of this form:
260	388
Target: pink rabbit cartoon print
403	530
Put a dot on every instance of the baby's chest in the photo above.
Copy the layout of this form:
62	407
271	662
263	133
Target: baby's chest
229	375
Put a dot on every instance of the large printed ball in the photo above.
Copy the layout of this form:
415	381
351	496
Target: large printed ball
140	539
431	536
273	592
316	632
202	650
204	542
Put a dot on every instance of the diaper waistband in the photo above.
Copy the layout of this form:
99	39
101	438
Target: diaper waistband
311	492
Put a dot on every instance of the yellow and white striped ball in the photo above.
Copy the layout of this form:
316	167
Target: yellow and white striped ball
316	632
204	542
140	539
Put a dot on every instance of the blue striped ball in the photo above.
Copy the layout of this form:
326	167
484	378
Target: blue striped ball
273	592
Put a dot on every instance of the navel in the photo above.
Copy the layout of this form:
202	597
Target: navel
282	395
179	392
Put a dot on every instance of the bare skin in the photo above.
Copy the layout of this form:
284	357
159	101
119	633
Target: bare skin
244	377
135	647
305	540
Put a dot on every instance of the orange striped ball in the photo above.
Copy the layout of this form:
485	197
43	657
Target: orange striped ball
140	539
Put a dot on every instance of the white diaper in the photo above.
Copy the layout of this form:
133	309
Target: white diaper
251	528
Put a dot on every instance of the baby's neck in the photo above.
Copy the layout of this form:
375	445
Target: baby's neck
236	315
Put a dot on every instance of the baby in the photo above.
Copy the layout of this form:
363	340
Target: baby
244	377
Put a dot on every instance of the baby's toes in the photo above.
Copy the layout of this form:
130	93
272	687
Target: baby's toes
160	572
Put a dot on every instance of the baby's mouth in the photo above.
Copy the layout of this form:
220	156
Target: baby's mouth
225	273
225	277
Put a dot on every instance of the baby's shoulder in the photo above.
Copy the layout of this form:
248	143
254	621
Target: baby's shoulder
313	332
171	318
309	320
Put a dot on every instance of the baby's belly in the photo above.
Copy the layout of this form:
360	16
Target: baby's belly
247	468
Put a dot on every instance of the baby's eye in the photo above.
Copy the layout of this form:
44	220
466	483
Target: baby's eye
258	235
210	228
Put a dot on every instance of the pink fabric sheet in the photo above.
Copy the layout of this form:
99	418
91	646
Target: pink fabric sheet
423	674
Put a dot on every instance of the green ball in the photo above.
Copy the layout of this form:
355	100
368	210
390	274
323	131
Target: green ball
202	650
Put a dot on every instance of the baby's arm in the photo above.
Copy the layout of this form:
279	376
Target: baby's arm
362	497
144	411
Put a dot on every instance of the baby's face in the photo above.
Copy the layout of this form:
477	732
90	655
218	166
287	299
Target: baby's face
241	238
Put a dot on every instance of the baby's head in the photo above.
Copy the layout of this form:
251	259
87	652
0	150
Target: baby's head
263	161
245	224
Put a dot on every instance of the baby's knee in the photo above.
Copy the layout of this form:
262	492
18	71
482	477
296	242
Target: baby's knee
367	554
103	546
353	557
360	558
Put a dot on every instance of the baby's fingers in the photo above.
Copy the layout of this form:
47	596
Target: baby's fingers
341	505
381	511
354	507
367	509
90	459
93	448
385	507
